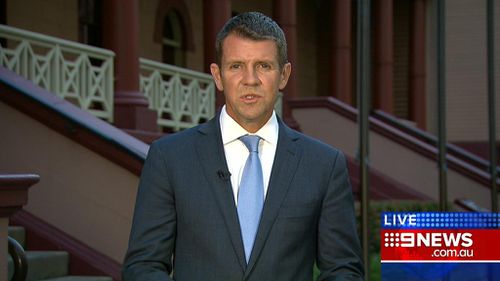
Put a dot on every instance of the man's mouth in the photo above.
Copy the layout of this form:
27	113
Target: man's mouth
250	97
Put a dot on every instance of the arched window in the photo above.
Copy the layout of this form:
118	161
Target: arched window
172	40
173	31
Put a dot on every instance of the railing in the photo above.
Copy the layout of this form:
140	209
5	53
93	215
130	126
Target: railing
76	72
19	260
470	205
84	74
428	138
473	169
181	97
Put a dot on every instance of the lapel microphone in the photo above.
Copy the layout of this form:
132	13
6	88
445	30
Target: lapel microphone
224	175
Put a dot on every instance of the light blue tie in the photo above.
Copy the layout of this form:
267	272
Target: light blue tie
250	194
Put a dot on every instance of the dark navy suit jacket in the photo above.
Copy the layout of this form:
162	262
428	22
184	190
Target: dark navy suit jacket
186	220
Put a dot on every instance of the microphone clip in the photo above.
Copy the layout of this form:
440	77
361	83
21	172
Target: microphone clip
224	175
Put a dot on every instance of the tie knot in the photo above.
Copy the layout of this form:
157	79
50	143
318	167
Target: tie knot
251	142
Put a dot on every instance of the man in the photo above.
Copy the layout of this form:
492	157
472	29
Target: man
244	197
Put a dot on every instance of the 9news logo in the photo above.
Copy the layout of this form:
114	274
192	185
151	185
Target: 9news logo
431	237
434	239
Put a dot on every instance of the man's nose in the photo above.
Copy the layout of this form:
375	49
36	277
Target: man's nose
250	76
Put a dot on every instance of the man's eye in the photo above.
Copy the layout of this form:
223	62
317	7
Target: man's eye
235	66
265	66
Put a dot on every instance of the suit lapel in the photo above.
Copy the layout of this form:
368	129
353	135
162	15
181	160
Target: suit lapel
211	152
284	167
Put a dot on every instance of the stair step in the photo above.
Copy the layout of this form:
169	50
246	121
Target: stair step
80	278
19	234
44	265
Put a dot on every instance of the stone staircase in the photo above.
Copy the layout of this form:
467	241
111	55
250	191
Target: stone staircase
46	265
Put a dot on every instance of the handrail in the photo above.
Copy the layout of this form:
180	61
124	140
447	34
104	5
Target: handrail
454	150
76	72
182	98
21	180
405	138
470	205
48	41
20	262
103	138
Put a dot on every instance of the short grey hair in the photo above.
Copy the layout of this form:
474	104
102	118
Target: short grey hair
254	26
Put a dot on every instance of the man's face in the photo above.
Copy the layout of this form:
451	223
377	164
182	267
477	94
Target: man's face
250	77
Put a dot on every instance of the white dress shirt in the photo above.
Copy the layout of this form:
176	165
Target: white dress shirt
237	153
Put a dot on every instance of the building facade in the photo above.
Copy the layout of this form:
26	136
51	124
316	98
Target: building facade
322	49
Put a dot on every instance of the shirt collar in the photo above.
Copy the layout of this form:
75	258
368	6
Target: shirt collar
231	130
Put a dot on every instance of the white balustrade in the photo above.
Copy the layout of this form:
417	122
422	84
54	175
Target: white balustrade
83	75
79	73
182	98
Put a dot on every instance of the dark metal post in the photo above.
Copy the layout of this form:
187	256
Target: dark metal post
490	9
441	61
363	92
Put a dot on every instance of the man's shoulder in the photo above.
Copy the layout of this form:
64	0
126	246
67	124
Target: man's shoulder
317	154
310	144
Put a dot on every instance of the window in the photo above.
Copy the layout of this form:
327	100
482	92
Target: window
89	22
172	40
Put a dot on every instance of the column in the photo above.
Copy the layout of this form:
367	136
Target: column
120	34
215	14
417	64
13	196
341	64
383	56
285	14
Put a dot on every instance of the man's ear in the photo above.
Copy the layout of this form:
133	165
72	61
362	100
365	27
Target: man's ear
285	75
216	74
